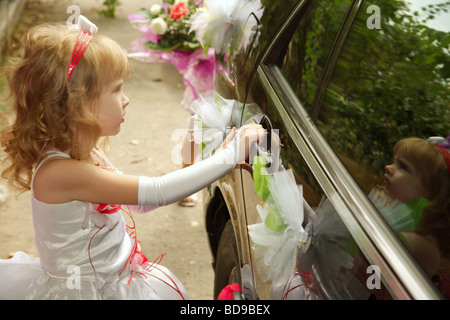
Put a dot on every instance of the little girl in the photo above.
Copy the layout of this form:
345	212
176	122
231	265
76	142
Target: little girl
422	169
67	93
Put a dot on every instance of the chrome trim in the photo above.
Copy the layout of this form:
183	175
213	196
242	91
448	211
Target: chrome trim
403	277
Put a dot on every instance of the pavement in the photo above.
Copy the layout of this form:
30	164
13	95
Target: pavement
151	135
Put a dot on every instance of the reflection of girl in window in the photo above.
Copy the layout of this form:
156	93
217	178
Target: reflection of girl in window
422	170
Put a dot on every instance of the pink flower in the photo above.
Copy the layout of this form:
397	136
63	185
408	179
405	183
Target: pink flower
178	10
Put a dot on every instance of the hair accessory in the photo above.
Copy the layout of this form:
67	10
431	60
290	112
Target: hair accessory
87	30
446	154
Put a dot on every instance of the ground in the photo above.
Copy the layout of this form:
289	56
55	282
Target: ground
148	144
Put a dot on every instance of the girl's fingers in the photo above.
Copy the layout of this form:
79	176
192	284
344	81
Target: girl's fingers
229	137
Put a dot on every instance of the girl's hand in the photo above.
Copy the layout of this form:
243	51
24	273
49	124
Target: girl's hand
250	134
229	138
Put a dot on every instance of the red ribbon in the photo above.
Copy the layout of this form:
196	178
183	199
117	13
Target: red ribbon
144	262
446	154
104	208
80	46
227	293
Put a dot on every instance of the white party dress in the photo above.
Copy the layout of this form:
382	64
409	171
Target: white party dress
85	252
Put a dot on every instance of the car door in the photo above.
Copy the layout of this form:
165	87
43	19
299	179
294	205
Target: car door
313	84
243	70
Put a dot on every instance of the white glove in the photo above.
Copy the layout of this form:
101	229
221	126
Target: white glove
176	185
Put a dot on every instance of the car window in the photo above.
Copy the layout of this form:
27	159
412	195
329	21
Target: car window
245	61
333	267
391	81
302	65
310	46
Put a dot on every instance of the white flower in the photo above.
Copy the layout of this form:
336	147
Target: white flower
226	26
158	26
155	9
178	1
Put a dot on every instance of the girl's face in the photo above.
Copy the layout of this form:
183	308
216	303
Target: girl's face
402	181
109	110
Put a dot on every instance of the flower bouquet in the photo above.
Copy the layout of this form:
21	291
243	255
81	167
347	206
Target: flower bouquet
169	22
166	37
197	36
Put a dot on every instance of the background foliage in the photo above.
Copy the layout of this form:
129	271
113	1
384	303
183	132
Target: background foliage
389	84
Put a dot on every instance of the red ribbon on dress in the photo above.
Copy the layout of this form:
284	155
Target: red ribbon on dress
108	208
144	262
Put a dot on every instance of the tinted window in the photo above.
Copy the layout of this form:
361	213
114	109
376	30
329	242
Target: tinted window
333	267
389	83
302	65
245	62
310	46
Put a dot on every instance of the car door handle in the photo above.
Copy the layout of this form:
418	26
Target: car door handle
270	147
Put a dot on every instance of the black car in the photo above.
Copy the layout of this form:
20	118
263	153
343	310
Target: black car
336	84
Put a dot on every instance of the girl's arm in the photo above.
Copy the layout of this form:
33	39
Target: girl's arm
60	181
171	189
424	251
174	186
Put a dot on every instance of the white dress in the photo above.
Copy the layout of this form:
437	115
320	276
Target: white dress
84	254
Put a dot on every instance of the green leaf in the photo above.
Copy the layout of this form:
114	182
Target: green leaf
261	177
416	206
351	247
162	45
145	13
190	46
274	221
207	46
202	147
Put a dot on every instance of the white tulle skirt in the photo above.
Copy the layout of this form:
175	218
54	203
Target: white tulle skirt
22	278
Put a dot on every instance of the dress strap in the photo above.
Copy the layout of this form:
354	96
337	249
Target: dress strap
48	155
51	154
107	164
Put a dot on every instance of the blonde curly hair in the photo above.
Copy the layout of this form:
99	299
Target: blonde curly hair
434	175
50	111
